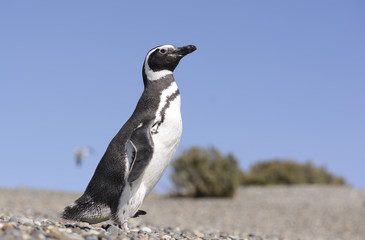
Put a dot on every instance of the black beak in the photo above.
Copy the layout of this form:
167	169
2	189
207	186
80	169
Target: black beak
182	51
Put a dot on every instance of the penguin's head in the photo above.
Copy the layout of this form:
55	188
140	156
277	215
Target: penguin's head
162	60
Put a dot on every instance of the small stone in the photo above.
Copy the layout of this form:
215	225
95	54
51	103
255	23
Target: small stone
91	237
56	233
103	236
25	236
84	225
199	234
22	228
24	220
6	226
14	219
92	232
166	237
64	236
47	222
38	235
134	230
146	229
113	230
66	230
38	223
77	230
183	234
99	225
16	233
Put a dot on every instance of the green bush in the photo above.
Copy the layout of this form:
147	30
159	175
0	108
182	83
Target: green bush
205	173
288	172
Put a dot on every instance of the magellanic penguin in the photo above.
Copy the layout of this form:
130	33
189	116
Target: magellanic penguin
139	154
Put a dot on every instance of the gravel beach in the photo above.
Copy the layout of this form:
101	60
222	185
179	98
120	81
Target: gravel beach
255	213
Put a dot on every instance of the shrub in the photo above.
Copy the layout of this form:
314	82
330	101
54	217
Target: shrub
205	173
289	172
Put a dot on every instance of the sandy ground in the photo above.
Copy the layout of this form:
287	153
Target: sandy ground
300	212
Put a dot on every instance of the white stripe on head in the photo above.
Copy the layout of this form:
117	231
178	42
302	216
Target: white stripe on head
152	75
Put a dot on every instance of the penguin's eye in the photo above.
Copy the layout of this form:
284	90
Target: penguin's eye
163	50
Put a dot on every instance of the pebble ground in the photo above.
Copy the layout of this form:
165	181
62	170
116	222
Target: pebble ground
255	213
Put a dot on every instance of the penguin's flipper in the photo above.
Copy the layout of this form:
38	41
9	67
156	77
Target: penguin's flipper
139	149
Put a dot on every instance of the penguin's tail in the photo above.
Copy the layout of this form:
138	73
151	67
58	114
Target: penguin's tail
86	210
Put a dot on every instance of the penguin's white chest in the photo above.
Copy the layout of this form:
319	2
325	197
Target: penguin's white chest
165	139
166	133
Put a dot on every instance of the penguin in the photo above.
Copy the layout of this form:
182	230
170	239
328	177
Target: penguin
140	152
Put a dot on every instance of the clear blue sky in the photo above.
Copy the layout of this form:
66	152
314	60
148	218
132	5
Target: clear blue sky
270	79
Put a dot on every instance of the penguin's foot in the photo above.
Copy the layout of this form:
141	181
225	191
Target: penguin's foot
125	227
139	212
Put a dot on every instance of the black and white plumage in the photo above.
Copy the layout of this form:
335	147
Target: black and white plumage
138	155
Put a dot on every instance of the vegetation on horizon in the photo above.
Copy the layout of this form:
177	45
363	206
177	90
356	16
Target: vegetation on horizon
205	173
288	172
201	172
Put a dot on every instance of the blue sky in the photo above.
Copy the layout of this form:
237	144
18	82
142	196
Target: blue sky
270	79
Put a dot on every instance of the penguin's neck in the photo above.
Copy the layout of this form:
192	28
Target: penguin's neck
150	76
158	86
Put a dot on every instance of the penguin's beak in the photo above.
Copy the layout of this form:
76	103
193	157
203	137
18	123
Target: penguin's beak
182	51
